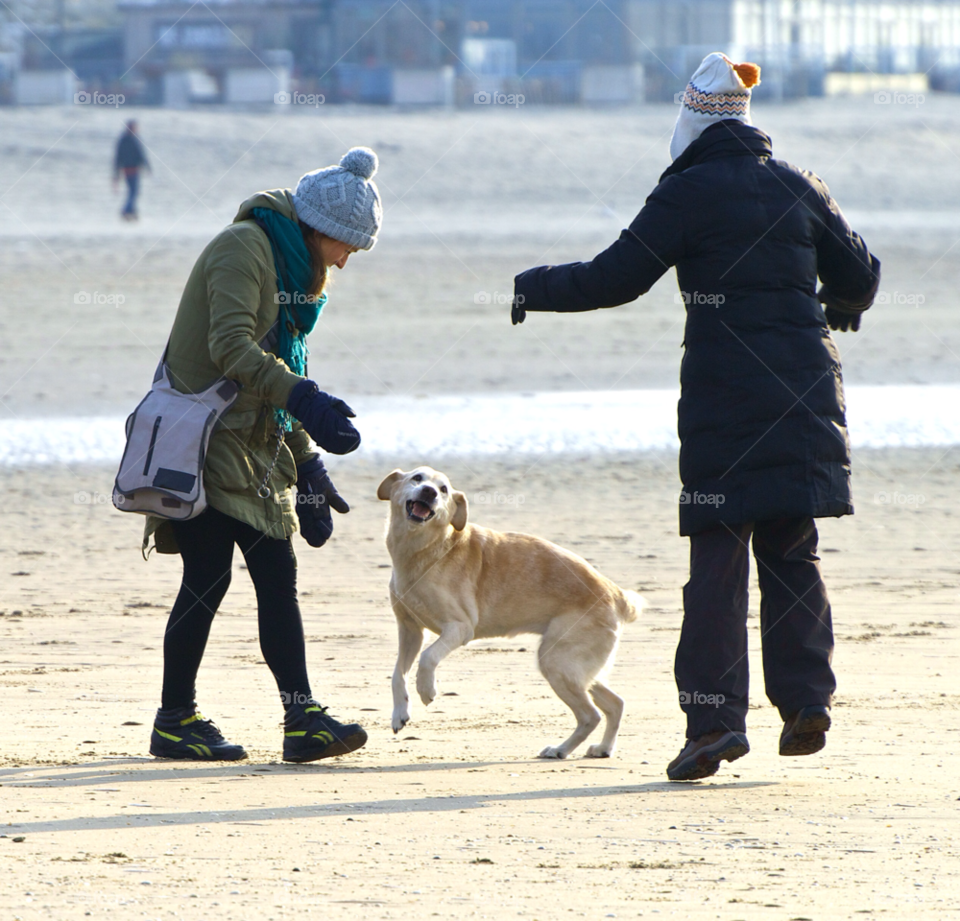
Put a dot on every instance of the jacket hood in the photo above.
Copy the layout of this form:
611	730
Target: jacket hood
729	138
280	200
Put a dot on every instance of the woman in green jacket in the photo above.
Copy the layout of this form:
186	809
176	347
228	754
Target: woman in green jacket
254	294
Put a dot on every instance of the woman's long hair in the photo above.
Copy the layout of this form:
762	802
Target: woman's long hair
312	239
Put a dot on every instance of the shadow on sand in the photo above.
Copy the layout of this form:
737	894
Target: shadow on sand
114	772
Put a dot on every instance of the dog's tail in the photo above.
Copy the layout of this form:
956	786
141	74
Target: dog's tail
630	606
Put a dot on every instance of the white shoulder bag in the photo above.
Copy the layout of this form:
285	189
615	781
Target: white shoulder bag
161	472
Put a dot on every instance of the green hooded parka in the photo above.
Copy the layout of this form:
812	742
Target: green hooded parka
228	305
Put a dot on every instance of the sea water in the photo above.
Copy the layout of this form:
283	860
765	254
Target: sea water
535	423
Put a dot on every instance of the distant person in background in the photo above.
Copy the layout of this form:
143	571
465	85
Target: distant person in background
764	447
129	159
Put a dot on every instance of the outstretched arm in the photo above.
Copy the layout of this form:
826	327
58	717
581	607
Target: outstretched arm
621	273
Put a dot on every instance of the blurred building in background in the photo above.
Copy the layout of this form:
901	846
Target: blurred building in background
805	47
464	52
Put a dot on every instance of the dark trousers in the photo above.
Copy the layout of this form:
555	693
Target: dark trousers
206	545
795	624
133	189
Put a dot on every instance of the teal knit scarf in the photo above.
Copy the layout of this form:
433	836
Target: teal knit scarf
299	311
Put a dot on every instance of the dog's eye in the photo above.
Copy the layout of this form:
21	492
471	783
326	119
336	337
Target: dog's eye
443	489
417	477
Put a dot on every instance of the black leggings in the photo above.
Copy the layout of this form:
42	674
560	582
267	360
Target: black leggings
206	545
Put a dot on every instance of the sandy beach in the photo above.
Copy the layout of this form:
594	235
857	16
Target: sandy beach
455	817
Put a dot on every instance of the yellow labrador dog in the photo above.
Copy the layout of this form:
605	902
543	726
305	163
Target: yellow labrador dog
465	582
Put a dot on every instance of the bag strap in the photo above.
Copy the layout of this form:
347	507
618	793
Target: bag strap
161	366
270	338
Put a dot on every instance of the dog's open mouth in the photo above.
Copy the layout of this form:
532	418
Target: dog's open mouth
419	511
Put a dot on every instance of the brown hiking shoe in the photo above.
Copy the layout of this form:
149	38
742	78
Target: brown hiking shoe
701	757
804	733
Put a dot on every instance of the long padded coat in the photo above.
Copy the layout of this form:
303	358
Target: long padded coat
761	415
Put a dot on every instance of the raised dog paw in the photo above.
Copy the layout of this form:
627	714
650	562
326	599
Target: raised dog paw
598	751
426	688
400	719
551	752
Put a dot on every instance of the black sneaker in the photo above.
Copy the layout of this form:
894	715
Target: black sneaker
310	734
804	733
186	734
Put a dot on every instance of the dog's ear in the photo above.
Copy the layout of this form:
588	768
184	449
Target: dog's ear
459	517
385	489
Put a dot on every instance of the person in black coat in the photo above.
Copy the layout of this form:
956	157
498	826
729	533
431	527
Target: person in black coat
129	159
764	447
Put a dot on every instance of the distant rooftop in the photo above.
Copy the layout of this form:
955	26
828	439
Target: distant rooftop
134	4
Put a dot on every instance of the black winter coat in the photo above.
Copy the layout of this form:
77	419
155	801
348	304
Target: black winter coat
761	414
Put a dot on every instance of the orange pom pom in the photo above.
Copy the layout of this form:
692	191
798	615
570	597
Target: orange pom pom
748	73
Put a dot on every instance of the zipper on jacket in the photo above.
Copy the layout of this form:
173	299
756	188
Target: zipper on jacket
153	444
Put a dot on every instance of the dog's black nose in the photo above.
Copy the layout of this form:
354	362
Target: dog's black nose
428	493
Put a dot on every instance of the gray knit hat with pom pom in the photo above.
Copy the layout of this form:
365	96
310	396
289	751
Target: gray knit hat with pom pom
342	201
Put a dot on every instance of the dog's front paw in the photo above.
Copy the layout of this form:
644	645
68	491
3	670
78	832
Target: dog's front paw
426	688
598	751
551	752
400	719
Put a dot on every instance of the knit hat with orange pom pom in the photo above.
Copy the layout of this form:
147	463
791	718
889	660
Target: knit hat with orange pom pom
719	89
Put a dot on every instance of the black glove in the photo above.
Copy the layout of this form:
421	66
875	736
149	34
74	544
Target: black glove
841	320
316	495
517	313
326	418
838	315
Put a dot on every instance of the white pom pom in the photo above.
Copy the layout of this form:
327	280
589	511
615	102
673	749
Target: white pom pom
361	161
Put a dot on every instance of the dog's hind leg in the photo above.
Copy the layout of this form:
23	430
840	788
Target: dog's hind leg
574	650
611	706
411	639
563	665
575	697
454	635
